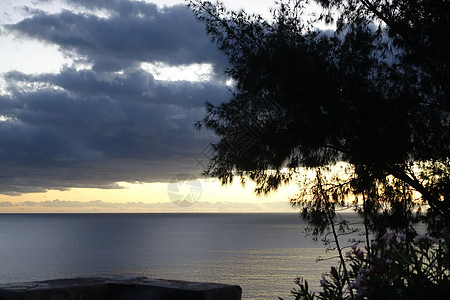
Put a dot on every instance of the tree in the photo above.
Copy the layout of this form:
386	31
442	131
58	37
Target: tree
372	94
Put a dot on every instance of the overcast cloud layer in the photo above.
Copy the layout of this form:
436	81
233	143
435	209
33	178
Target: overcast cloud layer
112	121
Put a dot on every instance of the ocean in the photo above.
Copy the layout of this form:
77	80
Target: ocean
263	253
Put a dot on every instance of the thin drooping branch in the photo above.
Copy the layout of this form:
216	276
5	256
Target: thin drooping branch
366	222
324	196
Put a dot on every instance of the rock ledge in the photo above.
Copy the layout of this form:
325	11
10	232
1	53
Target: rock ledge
97	288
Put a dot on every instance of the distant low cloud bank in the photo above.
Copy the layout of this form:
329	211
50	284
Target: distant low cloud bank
58	206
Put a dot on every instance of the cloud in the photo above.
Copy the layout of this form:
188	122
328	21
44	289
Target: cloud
133	32
140	207
96	126
136	85
95	140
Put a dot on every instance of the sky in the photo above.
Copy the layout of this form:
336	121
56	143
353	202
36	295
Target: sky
97	105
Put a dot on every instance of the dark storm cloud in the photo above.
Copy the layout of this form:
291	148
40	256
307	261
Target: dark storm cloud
135	85
96	138
134	32
93	127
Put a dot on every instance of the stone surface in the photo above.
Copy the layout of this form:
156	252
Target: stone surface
119	289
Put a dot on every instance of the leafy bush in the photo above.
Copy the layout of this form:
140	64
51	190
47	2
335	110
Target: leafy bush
393	267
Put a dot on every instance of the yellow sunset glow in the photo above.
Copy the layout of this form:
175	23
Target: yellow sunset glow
142	197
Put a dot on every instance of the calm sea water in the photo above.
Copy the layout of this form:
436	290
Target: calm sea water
263	253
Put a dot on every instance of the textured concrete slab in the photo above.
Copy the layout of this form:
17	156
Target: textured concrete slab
119	289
